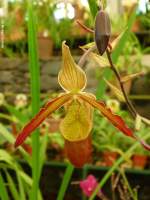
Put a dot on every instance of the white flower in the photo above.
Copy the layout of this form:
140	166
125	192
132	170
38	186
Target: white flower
21	100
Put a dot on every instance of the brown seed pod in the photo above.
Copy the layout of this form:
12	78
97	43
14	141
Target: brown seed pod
102	31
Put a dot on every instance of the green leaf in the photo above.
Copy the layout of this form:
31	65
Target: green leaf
6	134
124	38
12	187
65	182
10	138
35	94
43	147
6	157
21	187
3	189
93	7
19	116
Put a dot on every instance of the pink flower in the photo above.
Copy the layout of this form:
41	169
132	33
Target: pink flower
88	185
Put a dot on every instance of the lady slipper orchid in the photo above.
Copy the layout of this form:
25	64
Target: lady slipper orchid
77	124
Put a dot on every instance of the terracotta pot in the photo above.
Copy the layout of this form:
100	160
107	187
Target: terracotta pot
109	157
139	161
45	47
136	26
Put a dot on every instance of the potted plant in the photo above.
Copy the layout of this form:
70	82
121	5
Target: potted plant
140	156
45	22
140	159
105	141
51	31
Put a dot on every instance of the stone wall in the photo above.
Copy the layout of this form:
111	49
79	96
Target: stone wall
14	79
14	75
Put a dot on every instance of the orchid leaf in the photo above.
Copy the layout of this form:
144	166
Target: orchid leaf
18	115
12	187
93	7
3	189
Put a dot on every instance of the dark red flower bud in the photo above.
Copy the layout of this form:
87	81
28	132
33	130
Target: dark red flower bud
79	153
102	31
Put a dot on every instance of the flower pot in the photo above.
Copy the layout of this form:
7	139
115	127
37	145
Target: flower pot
109	157
136	26
45	47
139	161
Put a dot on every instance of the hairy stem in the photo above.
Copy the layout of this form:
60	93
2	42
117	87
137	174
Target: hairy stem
129	104
84	27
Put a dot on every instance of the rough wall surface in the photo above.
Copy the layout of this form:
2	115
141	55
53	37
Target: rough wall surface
14	75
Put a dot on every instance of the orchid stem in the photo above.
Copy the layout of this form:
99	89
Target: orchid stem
84	27
129	104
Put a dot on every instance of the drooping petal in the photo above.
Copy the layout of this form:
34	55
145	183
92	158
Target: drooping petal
71	77
116	120
79	153
39	118
77	123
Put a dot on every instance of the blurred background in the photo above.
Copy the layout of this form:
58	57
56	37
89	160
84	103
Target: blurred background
57	21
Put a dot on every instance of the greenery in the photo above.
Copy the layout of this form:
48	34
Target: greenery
104	135
58	30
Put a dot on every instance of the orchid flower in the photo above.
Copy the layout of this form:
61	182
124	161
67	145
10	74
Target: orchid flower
79	105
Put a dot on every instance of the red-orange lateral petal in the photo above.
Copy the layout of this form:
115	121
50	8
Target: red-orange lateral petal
39	118
79	153
116	120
